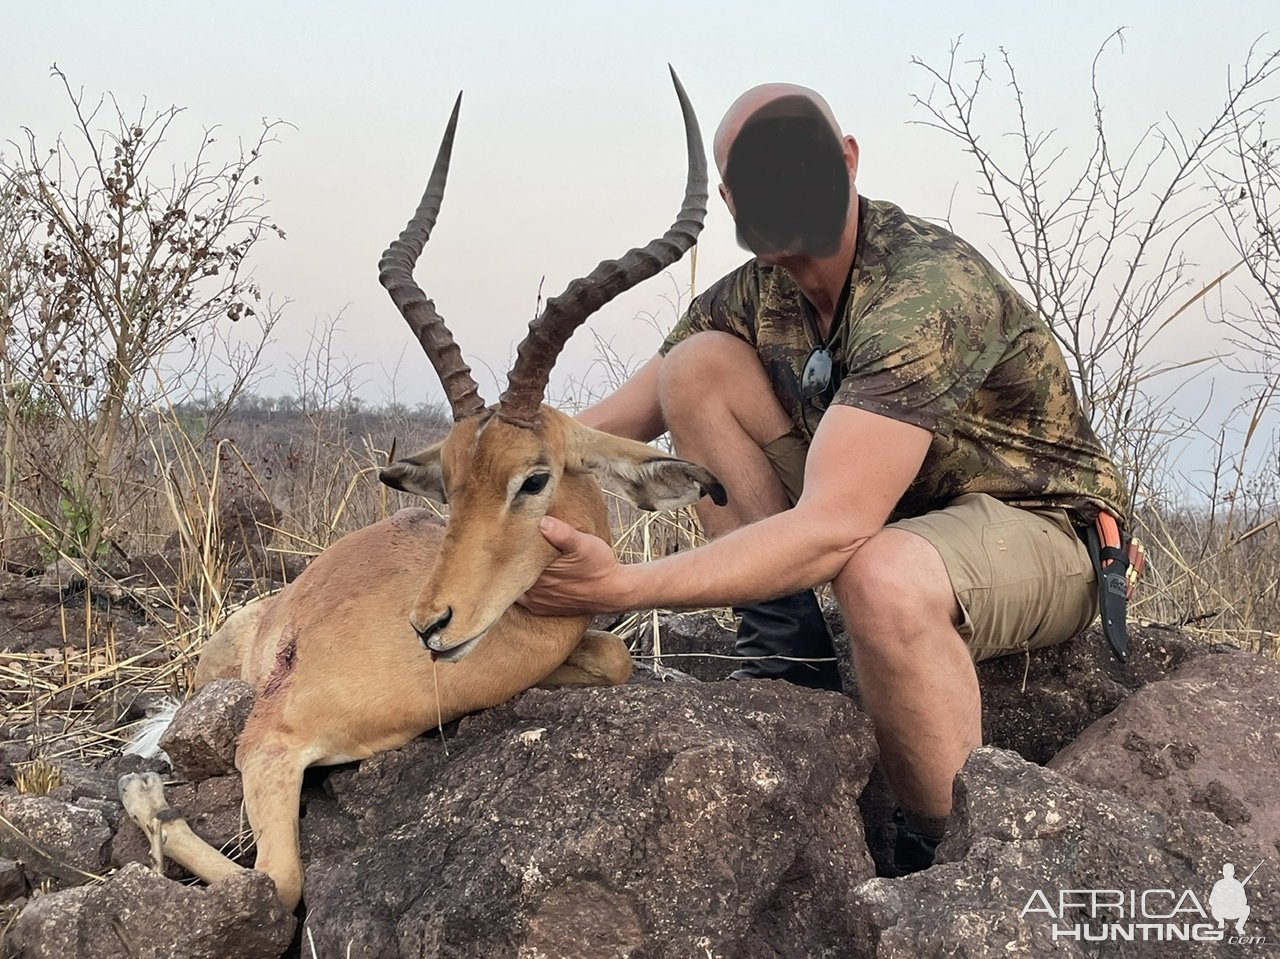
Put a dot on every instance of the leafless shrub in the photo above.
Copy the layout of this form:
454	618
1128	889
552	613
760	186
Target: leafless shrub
1100	243
117	266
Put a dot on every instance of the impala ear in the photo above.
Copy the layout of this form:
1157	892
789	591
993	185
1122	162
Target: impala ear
419	473
647	477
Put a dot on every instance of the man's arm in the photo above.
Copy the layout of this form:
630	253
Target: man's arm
858	467
632	410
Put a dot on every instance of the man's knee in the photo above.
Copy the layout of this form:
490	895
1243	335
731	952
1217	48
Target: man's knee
695	366
712	381
895	590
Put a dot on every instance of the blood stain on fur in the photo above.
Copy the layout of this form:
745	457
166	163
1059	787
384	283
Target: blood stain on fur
286	658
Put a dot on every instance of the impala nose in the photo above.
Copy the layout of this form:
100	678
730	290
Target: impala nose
428	632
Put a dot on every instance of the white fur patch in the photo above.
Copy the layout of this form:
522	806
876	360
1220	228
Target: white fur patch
146	736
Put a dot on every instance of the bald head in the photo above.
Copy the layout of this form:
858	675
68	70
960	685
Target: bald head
750	103
785	172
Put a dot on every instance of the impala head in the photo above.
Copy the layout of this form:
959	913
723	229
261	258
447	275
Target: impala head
502	468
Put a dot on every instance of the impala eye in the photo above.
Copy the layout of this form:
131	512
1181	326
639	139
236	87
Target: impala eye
535	484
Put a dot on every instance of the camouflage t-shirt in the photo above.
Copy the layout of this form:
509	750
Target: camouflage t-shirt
934	336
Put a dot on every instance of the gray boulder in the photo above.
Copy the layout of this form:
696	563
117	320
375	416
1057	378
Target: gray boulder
1207	737
66	841
656	821
1035	704
201	740
138	914
78	781
1021	837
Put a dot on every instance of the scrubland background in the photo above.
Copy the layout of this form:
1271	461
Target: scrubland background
148	484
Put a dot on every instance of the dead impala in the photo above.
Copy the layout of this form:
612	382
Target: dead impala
358	655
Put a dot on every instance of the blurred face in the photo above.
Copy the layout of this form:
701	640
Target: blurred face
787	182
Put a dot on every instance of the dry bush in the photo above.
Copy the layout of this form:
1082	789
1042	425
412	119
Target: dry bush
115	264
1101	242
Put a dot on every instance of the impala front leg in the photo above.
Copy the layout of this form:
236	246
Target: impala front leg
143	797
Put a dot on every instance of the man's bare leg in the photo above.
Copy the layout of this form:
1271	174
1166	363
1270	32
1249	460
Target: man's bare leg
915	674
721	411
916	677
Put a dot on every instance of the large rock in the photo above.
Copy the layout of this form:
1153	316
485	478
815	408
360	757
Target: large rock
137	914
1021	837
55	838
78	781
1206	737
1035	704
201	740
657	821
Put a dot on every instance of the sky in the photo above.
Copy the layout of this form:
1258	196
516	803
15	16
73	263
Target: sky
569	147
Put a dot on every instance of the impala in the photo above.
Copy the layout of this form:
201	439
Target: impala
410	623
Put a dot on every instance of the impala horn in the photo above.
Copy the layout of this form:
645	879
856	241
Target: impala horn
395	272
548	333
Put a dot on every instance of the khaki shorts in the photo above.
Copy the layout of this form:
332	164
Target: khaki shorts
1022	577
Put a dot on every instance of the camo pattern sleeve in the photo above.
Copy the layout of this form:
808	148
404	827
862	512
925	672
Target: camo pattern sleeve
937	337
728	305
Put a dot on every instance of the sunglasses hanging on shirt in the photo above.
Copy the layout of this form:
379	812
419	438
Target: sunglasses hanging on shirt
819	380
816	380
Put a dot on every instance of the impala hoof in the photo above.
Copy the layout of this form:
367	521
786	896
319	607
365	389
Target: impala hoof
143	797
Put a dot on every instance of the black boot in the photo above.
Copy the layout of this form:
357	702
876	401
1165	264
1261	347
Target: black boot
788	626
912	851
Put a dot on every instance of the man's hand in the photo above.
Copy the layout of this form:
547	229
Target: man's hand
585	578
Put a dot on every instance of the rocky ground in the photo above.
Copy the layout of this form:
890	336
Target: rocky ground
678	817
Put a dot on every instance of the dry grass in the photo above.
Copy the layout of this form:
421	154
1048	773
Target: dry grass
1214	571
37	777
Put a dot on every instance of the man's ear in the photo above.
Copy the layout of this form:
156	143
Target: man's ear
419	473
647	477
728	199
851	156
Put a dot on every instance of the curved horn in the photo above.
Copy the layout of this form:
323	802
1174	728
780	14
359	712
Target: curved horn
563	314
395	272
